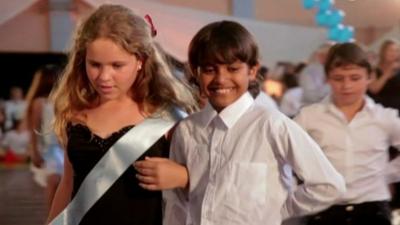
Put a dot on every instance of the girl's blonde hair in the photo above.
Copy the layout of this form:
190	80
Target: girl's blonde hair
383	48
155	88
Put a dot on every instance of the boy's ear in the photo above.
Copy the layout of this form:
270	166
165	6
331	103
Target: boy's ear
253	71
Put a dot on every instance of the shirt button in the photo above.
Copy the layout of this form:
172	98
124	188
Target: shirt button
349	208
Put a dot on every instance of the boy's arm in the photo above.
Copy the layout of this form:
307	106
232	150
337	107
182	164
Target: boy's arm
322	184
175	211
393	169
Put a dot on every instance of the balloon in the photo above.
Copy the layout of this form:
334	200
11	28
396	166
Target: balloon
335	17
322	17
325	4
309	4
334	33
346	34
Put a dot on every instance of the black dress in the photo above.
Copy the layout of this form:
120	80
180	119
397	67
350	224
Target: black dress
125	202
389	96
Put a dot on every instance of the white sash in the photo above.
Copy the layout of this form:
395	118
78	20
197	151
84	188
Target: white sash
113	164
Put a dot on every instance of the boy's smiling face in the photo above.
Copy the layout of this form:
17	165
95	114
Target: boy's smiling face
223	84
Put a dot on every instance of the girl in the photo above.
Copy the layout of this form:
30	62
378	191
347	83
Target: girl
115	79
385	81
45	151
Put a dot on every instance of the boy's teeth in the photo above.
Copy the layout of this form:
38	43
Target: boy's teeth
223	90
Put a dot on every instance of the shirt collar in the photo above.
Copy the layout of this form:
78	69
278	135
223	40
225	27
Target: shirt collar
231	114
369	104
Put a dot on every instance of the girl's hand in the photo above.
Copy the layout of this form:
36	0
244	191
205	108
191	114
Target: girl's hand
37	159
156	173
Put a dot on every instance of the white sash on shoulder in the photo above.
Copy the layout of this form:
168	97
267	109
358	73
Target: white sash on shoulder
114	163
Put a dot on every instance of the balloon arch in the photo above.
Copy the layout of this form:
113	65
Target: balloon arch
331	18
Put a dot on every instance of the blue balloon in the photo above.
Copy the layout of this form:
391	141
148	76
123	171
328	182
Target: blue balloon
325	4
335	17
322	17
334	33
346	34
309	4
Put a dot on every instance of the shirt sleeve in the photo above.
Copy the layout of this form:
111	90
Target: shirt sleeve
393	168
311	80
175	211
322	184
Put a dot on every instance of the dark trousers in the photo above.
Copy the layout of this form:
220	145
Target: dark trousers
368	213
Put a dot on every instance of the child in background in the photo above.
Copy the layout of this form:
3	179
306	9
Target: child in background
235	150
17	141
45	152
354	133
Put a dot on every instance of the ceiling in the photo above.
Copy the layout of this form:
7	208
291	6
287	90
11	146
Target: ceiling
359	13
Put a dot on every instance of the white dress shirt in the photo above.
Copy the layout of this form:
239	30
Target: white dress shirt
17	142
291	101
358	149
14	110
235	161
265	100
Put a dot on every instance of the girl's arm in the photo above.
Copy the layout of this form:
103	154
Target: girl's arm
35	126
377	84
64	190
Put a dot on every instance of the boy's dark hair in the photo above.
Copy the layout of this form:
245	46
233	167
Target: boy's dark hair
262	73
346	54
290	80
222	42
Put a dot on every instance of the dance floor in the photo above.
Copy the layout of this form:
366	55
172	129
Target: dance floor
22	201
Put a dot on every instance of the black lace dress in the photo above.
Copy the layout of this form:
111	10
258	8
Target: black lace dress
125	202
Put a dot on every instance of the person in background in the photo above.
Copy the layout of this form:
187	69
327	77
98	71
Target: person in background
384	89
385	82
354	132
291	101
14	107
45	151
312	79
258	93
17	141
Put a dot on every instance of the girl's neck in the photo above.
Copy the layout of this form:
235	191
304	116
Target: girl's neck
123	101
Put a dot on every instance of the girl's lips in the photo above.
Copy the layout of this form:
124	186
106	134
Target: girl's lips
105	88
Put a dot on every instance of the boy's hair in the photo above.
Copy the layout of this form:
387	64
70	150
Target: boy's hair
222	42
255	85
346	54
155	87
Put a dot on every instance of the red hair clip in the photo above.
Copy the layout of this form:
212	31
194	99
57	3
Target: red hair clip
150	21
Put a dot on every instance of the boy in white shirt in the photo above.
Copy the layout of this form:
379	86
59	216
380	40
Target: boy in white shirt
354	132
235	150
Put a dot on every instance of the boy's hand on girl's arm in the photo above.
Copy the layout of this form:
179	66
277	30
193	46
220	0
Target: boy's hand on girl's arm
156	173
